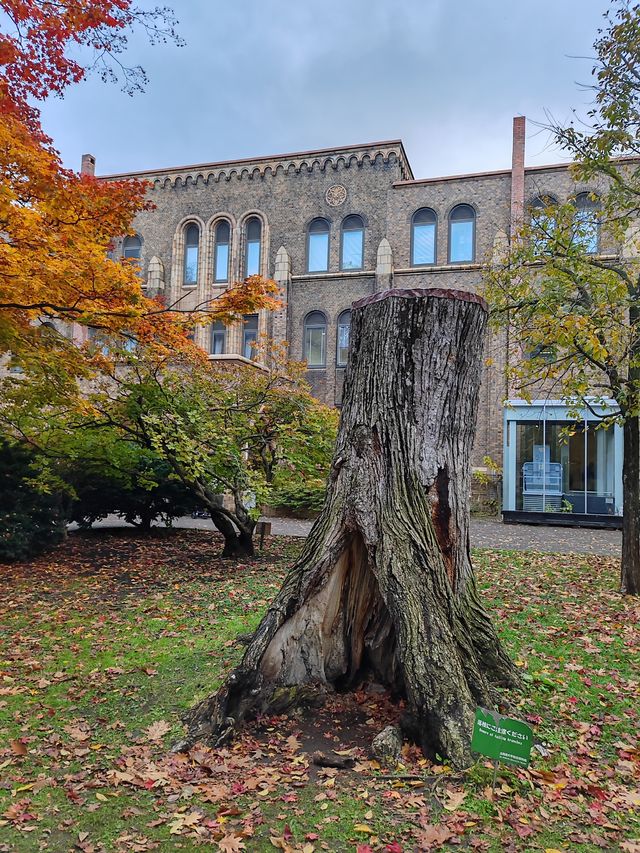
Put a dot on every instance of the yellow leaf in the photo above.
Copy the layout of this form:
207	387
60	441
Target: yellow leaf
363	827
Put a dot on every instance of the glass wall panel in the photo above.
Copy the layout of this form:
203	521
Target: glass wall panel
561	466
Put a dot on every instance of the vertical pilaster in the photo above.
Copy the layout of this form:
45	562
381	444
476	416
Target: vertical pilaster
282	277
384	266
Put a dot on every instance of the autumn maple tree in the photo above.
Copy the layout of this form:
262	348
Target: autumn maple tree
57	226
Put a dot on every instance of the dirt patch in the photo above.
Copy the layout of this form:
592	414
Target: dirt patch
344	726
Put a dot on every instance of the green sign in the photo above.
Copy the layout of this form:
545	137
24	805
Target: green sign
502	738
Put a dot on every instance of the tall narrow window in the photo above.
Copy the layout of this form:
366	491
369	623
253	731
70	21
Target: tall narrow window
352	254
191	246
344	331
587	224
253	239
221	257
315	339
543	222
249	335
318	246
218	337
462	226
131	248
423	237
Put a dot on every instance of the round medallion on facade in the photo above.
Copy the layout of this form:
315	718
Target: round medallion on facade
336	195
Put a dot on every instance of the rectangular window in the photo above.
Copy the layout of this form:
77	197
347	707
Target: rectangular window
352	247
315	347
222	262
318	252
461	242
424	244
191	265
253	258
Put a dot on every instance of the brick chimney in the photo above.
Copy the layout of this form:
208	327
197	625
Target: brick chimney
517	174
88	166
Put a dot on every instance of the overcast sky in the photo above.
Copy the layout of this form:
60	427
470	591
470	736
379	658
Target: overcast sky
260	77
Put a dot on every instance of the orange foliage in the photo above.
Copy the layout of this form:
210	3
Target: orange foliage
56	226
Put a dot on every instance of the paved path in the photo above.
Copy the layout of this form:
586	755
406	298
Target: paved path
485	533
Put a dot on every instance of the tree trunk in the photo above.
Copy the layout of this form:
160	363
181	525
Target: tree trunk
384	587
237	543
630	566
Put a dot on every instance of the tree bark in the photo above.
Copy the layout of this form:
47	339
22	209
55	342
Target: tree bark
238	543
384	587
630	564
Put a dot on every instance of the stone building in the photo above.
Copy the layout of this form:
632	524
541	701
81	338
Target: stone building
331	226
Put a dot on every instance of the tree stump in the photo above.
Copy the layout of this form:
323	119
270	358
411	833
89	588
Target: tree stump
384	586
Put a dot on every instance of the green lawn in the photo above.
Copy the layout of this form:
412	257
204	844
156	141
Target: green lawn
107	640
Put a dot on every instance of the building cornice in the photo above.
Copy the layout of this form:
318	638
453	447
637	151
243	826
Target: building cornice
250	168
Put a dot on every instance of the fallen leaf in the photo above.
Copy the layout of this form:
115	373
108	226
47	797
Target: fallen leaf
157	730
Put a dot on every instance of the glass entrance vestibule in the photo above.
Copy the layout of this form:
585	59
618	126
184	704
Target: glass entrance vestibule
558	468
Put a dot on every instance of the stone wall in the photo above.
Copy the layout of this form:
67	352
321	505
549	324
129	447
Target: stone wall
287	192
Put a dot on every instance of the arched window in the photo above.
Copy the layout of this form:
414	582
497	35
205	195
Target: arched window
318	246
587	222
253	239
344	332
249	335
315	339
191	246
132	248
543	221
218	337
221	251
423	237
462	227
352	252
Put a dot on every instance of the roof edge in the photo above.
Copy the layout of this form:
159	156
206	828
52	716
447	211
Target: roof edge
244	161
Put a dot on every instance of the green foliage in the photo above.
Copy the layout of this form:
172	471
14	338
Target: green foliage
111	476
305	497
32	504
153	434
570	285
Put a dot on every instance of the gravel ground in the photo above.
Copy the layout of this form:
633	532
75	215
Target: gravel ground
485	533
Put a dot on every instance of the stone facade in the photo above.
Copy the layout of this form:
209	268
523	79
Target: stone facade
286	193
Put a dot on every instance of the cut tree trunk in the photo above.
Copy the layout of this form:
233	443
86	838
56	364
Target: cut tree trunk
630	565
384	587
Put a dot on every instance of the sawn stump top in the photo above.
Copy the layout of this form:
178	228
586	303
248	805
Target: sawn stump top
421	293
